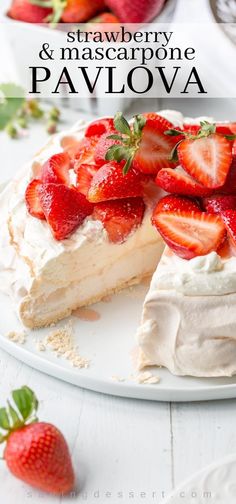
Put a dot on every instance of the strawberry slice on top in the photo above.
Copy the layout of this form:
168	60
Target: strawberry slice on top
56	169
100	126
109	182
64	208
190	233
229	219
219	203
177	181
120	217
174	203
143	145
32	199
85	174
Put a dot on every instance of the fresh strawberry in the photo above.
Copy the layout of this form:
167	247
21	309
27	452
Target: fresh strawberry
80	11
174	203
85	173
207	159
219	203
56	169
178	181
65	208
155	148
229	186
99	127
193	129
190	233
84	151
120	217
24	10
229	219
109	182
104	143
103	18
32	199
35	452
137	11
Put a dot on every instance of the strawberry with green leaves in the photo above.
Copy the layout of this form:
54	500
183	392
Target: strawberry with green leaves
70	11
35	452
143	145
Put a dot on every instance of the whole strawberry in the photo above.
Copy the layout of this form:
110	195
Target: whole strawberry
24	10
137	11
36	452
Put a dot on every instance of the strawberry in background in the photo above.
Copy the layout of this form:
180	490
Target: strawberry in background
24	10
135	11
35	452
79	11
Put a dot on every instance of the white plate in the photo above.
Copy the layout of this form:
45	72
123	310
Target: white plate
108	343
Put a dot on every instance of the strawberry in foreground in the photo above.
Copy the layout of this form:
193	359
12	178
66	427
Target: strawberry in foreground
36	452
229	219
32	199
120	217
64	208
173	203
137	11
189	233
109	182
206	156
219	203
56	169
144	145
24	10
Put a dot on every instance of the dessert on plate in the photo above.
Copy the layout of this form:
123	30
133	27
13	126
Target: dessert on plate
92	213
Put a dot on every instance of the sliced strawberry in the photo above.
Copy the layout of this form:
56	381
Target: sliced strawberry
190	233
102	147
100	126
109	182
229	186
120	217
178	181
65	208
85	149
173	203
155	148
56	169
163	123
32	199
229	219
206	159
219	203
85	173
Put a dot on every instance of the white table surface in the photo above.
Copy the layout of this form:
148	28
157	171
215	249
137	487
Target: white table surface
121	448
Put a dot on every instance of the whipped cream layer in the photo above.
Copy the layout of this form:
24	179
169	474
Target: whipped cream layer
46	278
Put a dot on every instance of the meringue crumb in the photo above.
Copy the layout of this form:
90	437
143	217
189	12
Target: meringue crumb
61	342
17	337
40	346
117	378
147	378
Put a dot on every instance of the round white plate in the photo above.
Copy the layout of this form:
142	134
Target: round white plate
109	345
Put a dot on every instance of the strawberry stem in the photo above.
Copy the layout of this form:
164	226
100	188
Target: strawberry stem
23	412
129	139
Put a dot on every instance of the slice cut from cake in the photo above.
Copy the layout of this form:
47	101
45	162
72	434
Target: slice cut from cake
188	322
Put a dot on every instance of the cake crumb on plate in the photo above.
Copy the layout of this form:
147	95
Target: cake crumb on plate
17	337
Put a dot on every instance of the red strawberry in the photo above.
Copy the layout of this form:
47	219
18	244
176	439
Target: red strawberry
190	233
193	129
103	18
32	199
85	173
174	203
65	208
229	186
137	11
178	181
206	159
229	219
85	149
102	147
155	148
109	182
24	10
120	217
56	169
100	126
35	452
79	11
219	203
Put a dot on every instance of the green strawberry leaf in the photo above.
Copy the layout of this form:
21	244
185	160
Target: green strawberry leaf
25	401
115	137
11	100
121	124
15	420
128	164
172	132
4	419
139	123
